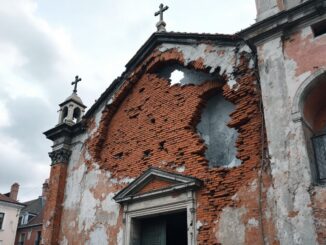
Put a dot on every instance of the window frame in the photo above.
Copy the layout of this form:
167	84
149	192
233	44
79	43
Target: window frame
2	220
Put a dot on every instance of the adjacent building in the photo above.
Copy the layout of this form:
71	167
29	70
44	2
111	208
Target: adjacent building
9	214
29	231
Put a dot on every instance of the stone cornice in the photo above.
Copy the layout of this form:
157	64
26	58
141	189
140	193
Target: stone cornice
284	21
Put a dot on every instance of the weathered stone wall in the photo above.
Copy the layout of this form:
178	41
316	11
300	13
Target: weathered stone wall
148	122
297	206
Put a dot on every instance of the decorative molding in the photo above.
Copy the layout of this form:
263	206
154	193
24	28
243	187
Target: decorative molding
60	156
302	92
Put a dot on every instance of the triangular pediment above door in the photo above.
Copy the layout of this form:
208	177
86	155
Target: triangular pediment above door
156	182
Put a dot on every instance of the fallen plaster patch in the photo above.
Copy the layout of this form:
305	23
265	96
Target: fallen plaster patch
198	224
231	228
253	222
233	84
126	180
98	236
180	169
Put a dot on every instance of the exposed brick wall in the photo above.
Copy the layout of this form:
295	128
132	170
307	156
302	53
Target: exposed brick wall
154	184
151	123
53	206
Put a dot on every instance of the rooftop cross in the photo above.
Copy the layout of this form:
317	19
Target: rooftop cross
161	24
77	80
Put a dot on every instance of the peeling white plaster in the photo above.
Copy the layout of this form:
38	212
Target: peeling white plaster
231	229
110	206
73	186
87	210
110	101
181	169
305	32
126	180
289	161
98	236
120	237
253	222
253	186
64	241
97	119
210	58
232	84
198	224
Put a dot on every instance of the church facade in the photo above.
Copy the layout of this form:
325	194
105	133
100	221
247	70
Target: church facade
204	139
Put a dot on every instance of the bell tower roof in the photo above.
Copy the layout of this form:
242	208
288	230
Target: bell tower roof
73	98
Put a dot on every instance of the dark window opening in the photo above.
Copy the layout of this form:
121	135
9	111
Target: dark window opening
2	216
21	239
314	126
319	28
76	115
38	238
169	229
64	113
319	144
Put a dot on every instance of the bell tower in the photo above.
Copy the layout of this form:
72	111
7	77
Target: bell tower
72	109
70	115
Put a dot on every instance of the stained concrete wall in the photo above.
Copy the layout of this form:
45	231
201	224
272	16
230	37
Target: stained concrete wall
284	65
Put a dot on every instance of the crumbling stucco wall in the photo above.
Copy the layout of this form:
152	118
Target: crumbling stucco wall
149	122
284	64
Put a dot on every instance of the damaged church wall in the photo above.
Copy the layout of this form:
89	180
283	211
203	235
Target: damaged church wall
150	122
297	204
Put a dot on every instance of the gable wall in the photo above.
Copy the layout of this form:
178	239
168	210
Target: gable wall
112	152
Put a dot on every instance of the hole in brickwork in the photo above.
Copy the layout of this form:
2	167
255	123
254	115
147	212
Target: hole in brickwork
178	74
141	90
161	145
118	155
218	137
151	118
176	77
147	153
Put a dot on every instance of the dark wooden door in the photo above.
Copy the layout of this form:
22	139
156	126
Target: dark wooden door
153	232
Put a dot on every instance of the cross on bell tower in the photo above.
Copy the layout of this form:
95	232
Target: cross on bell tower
161	24
77	80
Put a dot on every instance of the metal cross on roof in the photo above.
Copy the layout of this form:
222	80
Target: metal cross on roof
161	24
77	80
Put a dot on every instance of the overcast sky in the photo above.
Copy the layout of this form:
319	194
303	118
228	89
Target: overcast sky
45	43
